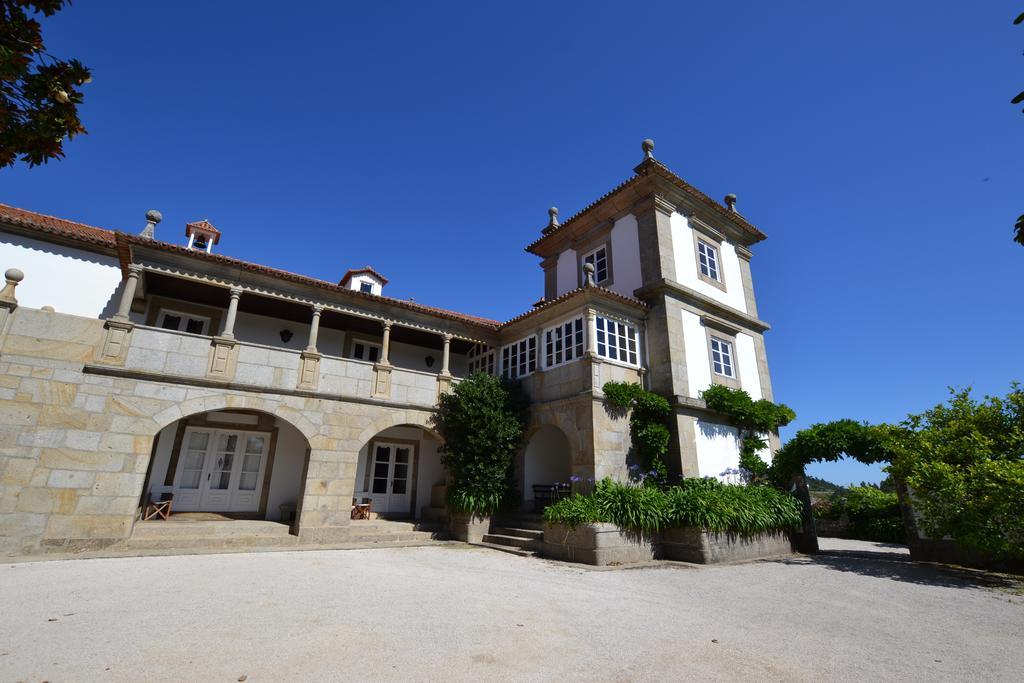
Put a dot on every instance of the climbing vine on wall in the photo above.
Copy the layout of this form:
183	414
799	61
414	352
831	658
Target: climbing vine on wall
753	419
648	428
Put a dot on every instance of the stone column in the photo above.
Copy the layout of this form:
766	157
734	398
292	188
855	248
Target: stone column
591	332
385	348
445	354
382	369
444	378
229	321
128	295
309	359
117	339
314	327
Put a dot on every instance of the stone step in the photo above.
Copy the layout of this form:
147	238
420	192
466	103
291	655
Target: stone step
393	537
205	543
512	541
213	530
512	550
521	521
537	534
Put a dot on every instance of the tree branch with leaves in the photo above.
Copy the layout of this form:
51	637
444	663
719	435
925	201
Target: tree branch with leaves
39	93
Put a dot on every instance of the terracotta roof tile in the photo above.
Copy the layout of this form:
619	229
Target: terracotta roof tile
108	238
577	292
644	169
57	226
356	271
306	280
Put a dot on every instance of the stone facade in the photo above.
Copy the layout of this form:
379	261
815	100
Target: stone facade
76	443
188	333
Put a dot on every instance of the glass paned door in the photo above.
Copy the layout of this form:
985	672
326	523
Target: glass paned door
220	471
390	485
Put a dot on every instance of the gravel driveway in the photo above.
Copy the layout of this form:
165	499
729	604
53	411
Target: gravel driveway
457	612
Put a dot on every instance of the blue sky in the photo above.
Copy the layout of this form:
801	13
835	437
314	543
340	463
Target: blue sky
873	142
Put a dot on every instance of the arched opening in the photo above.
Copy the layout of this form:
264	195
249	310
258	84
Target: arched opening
400	474
547	463
238	464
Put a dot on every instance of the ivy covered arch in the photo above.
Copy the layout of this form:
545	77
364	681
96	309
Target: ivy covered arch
829	442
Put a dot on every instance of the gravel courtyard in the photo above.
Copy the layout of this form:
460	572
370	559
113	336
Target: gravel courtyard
463	613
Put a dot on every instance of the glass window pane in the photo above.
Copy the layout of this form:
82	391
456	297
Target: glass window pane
247	482
380	485
194	326
398	486
199	440
171	322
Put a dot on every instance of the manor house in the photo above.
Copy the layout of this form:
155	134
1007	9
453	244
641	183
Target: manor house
139	364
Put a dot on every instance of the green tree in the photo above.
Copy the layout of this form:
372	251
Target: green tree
39	94
482	421
964	462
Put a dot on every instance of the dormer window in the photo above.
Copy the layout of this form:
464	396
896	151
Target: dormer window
365	280
599	259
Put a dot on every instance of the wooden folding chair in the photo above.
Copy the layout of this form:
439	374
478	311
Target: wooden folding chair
160	508
362	510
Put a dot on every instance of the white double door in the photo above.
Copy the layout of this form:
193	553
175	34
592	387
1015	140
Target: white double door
220	470
390	480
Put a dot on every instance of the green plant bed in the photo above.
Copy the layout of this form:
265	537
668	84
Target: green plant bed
704	504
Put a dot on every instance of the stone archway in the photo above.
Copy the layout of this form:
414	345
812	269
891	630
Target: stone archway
238	462
547	460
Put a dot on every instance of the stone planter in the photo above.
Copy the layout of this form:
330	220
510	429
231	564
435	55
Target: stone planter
597	544
688	544
469	528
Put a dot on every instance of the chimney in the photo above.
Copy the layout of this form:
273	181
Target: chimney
202	236
152	218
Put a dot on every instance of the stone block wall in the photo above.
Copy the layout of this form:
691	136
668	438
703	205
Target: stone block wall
75	443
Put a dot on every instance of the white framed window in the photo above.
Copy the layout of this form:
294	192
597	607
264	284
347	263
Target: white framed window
721	358
481	359
708	256
182	322
599	258
519	359
617	341
366	287
365	350
563	343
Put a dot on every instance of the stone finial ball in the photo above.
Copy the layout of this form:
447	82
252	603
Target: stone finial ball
588	268
647	146
14	275
553	211
154	216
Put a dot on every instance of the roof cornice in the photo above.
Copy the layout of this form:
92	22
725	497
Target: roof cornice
705	303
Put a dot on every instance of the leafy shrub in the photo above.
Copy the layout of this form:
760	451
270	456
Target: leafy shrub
703	503
964	463
871	514
482	421
752	418
647	425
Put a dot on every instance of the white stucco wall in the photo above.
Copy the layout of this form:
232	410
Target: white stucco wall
718	448
698	363
746	360
695	342
428	467
566	275
261	329
289	461
686	266
547	460
626	277
357	281
73	281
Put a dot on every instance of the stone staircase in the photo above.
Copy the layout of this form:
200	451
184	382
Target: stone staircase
518	533
187	535
202	535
